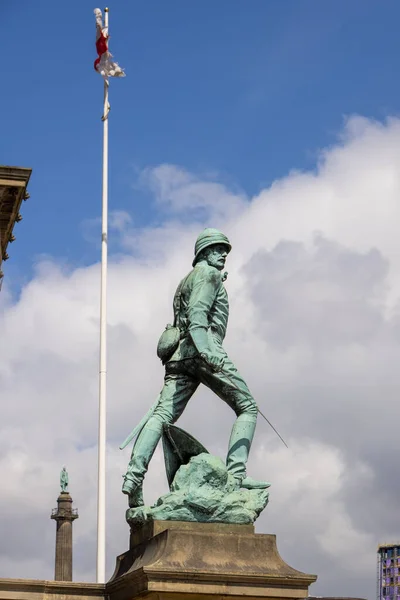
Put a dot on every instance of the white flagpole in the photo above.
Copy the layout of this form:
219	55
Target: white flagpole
101	491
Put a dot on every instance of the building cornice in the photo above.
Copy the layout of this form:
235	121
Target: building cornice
13	184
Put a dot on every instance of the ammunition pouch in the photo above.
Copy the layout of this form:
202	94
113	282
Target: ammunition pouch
168	343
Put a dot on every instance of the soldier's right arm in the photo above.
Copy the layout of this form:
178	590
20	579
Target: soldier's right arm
206	284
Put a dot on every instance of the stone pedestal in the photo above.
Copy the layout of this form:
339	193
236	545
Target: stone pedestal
174	560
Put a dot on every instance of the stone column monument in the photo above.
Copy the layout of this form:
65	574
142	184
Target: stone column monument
64	515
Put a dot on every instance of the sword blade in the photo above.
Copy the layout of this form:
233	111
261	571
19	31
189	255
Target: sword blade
139	427
270	424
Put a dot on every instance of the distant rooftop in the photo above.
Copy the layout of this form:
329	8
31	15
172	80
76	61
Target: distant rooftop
388	545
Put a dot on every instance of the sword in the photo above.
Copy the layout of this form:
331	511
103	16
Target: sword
219	369
140	426
143	422
270	424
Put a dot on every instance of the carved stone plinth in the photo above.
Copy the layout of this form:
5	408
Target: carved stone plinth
173	560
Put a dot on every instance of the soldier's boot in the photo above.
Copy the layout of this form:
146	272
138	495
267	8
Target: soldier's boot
142	453
135	496
239	447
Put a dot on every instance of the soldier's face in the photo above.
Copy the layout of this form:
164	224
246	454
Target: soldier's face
216	256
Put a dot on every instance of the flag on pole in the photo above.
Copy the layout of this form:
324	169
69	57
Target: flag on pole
107	68
104	63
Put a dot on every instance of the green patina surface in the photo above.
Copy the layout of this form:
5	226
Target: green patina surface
64	480
193	354
203	491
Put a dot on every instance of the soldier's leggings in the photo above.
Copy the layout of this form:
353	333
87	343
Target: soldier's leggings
182	378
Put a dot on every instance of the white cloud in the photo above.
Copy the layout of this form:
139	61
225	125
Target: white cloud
180	192
314	284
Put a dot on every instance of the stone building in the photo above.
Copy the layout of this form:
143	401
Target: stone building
13	184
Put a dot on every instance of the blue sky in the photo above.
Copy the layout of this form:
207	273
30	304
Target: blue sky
244	90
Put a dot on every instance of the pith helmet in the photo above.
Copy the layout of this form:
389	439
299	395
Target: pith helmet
209	237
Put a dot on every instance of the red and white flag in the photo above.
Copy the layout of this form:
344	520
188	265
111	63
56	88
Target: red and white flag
104	63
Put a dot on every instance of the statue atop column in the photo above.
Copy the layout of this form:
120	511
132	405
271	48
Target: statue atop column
192	351
64	480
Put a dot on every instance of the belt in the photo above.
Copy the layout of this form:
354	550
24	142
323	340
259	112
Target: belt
216	336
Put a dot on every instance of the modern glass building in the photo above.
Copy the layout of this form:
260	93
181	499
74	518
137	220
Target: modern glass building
388	587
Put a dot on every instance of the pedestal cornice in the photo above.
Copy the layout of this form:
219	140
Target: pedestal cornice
202	564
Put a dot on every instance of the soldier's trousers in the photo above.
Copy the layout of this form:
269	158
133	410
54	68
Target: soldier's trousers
182	378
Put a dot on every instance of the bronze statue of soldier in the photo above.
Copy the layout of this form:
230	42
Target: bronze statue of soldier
192	352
